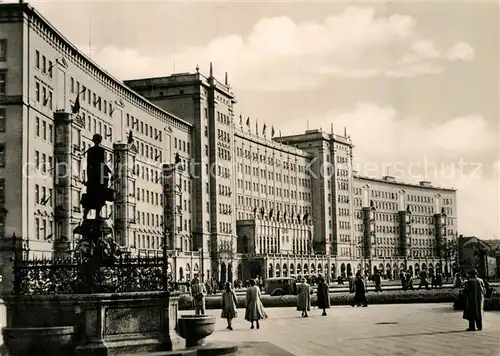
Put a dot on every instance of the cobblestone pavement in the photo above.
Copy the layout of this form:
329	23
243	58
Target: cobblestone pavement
385	330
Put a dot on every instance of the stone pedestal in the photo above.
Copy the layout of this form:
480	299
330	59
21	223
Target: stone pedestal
103	324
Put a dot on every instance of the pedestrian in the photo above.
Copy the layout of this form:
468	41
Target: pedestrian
323	295
474	301
254	307
351	283
423	280
402	277
378	281
198	293
439	279
359	292
303	297
229	303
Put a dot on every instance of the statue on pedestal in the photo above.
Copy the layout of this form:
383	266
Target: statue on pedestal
97	183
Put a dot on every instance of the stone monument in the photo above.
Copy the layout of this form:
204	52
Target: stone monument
94	246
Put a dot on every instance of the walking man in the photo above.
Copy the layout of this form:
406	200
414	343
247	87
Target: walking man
474	301
198	292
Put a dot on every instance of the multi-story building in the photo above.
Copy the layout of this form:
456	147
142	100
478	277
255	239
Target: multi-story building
230	201
43	145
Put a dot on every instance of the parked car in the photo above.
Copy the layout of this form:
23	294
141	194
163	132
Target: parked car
280	286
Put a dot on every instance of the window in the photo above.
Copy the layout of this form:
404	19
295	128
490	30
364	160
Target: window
44	64
50	133
50	71
37	59
2	155
37	91
2	120
2	190
37	127
3	82
3	50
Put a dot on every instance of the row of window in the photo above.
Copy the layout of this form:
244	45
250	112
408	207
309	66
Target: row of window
44	65
143	128
85	95
43	95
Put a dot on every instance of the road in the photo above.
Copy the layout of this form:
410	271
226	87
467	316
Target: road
380	330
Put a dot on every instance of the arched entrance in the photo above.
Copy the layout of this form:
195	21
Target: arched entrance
388	270
188	272
410	269
255	270
333	271
320	268
292	269
223	272
417	269
240	272
342	269
381	268
349	269
313	268
299	269
306	269
181	274
270	271
285	270
278	270
230	272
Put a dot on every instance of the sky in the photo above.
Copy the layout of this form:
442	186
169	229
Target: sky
415	84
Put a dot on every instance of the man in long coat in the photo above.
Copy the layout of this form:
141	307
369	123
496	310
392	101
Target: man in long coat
474	301
198	292
303	297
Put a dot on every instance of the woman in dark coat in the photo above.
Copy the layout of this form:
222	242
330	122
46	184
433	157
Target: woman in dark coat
323	295
360	292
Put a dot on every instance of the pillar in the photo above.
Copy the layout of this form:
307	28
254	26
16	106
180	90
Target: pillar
124	209
68	179
172	216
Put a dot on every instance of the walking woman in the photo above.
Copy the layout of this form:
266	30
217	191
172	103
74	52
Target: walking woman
229	303
323	295
303	297
359	292
254	307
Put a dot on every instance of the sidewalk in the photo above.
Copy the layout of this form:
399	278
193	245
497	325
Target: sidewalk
385	330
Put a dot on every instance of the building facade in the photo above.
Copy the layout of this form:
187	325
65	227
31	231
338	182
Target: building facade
229	198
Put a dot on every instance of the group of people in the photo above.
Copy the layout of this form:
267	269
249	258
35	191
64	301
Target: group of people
474	292
304	293
254	308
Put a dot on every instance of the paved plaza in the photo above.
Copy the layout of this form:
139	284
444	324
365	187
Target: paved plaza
413	329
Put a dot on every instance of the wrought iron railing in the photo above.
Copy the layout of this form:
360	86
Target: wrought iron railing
64	276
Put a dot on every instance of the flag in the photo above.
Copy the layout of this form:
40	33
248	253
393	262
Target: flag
76	107
264	130
248	121
241	120
272	131
256	127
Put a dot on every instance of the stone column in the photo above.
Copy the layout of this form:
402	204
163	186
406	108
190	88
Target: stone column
171	210
67	150
125	199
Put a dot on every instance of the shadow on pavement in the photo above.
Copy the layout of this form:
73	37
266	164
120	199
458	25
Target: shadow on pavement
406	335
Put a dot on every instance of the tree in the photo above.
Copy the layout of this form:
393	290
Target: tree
450	250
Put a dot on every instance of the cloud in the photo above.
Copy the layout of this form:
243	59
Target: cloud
460	153
280	54
461	51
